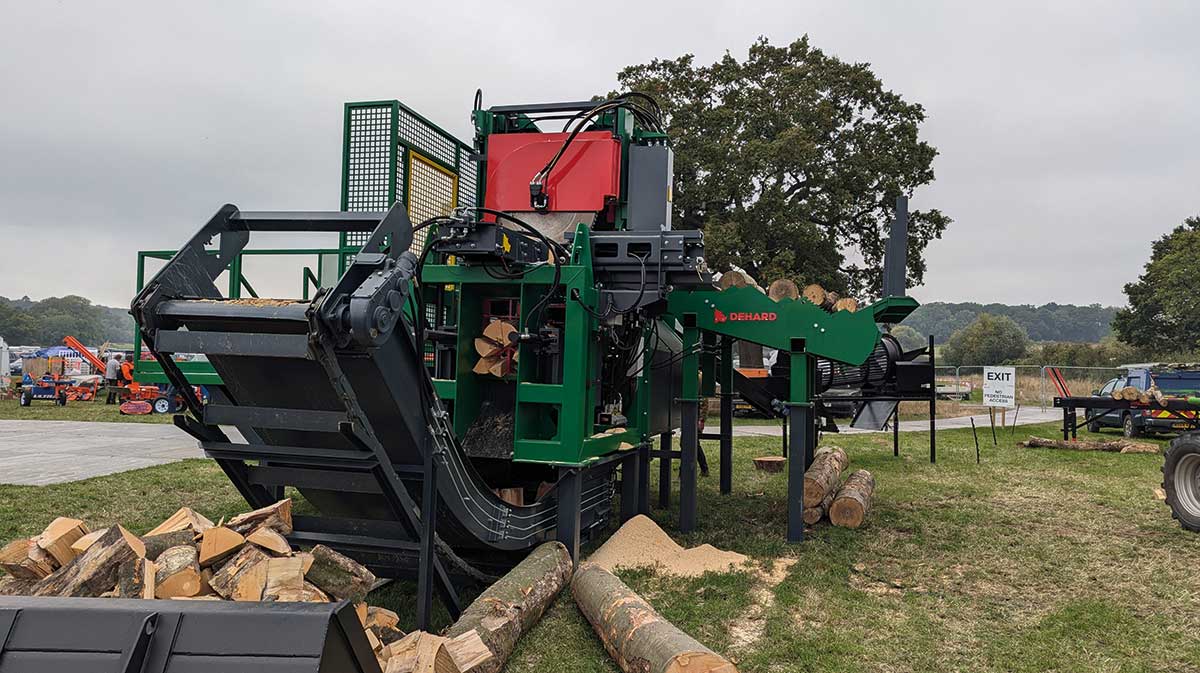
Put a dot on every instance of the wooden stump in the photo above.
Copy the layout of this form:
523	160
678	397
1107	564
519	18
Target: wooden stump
511	606
851	504
770	463
823	475
637	638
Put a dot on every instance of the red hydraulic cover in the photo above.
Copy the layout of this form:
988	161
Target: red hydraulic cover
588	173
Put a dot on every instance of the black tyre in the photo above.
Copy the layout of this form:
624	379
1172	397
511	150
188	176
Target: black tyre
1093	426
163	405
1181	480
61	400
26	398
1129	429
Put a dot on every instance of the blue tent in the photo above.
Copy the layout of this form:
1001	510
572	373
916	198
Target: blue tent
54	352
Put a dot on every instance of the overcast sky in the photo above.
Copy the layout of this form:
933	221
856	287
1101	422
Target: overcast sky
1067	130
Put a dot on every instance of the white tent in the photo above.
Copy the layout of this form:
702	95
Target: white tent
4	364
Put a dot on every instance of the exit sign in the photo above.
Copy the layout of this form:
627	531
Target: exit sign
1000	387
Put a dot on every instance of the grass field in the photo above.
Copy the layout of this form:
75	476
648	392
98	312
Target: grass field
1032	560
42	410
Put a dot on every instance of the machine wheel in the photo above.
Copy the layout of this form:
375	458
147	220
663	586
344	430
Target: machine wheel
1093	426
1129	429
1181	480
61	400
26	398
162	405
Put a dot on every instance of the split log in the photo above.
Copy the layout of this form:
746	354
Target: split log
469	652
1112	445
770	463
846	304
339	576
285	579
243	577
511	606
853	501
419	652
270	540
824	474
782	288
381	617
136	579
277	516
58	537
635	636
185	518
178	573
81	545
217	544
24	559
93	572
157	544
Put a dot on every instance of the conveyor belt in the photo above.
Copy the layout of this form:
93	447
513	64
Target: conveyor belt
333	399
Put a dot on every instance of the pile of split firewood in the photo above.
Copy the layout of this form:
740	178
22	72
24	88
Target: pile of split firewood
248	558
845	503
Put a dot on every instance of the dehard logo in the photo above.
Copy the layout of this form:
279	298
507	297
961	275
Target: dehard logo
720	316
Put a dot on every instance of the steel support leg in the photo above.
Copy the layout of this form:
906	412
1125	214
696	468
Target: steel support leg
689	444
425	568
570	491
631	489
896	431
932	403
664	470
726	415
800	418
783	423
643	498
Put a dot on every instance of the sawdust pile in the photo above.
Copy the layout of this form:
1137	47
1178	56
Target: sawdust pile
640	543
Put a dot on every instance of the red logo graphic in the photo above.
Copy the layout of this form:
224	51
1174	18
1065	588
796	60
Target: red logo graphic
720	317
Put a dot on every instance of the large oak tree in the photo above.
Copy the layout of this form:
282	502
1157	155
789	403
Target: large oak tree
1164	309
791	161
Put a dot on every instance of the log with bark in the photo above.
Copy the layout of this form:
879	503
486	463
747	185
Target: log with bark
852	502
824	474
136	579
1111	445
815	294
846	304
339	576
813	515
419	652
243	577
93	572
511	606
157	544
633	633
185	518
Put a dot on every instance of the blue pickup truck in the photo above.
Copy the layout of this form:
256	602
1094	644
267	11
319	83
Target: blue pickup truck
1134	422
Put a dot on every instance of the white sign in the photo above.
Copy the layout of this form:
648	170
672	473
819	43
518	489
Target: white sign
1000	387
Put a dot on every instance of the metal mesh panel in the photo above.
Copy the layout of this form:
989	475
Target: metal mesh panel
368	163
431	192
422	135
467	188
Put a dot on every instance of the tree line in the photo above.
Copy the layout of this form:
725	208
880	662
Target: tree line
24	322
1048	322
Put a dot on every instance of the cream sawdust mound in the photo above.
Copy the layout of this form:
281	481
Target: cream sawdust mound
641	543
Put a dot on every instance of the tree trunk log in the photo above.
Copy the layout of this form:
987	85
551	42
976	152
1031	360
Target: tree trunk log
1112	445
815	294
851	504
511	606
846	304
823	475
783	288
813	515
636	636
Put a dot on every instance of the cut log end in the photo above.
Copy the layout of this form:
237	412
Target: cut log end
853	501
770	463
